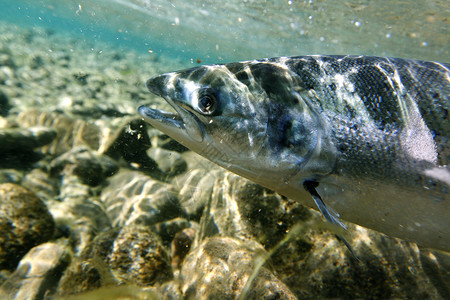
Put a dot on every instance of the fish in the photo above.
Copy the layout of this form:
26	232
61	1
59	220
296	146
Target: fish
360	138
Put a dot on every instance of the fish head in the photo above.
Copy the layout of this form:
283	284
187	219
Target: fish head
245	117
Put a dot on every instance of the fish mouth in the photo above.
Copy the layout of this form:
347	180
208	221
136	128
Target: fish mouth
183	125
159	118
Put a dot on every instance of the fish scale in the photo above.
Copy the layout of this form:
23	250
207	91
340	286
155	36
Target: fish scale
364	136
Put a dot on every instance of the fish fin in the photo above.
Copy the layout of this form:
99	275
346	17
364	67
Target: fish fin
340	237
330	215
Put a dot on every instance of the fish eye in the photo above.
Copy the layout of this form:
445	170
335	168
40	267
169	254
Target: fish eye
207	101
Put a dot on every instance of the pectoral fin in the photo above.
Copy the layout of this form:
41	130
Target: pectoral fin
329	215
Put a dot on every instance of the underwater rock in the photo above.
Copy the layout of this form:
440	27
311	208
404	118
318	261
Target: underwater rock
18	145
80	219
44	186
91	168
131	142
221	267
171	163
90	270
7	60
134	198
170	291
5	106
132	254
10	176
35	61
181	244
79	212
24	223
387	268
38	272
161	140
7	76
242	209
195	189
4	275
168	229
70	133
138	256
83	276
25	139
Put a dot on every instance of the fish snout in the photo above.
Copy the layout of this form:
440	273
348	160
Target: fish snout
158	84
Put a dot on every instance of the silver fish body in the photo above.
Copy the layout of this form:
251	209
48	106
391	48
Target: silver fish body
367	136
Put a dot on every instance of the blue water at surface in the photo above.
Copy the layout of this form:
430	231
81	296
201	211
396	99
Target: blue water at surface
217	31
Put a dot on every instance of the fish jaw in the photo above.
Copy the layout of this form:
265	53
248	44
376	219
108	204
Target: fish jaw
167	122
182	126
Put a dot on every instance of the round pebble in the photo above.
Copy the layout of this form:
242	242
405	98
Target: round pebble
24	223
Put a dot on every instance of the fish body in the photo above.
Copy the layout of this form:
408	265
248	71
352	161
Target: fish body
365	136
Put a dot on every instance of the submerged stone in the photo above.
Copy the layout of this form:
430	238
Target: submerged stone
4	104
220	268
132	254
41	184
90	167
242	209
130	142
24	223
25	139
10	176
161	140
138	256
70	132
170	163
38	272
134	198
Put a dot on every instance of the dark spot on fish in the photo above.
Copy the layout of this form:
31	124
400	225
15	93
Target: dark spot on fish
286	129
308	70
242	76
332	86
197	74
342	147
352	113
378	94
275	82
235	67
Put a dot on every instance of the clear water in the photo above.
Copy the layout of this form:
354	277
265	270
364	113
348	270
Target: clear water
189	32
224	31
